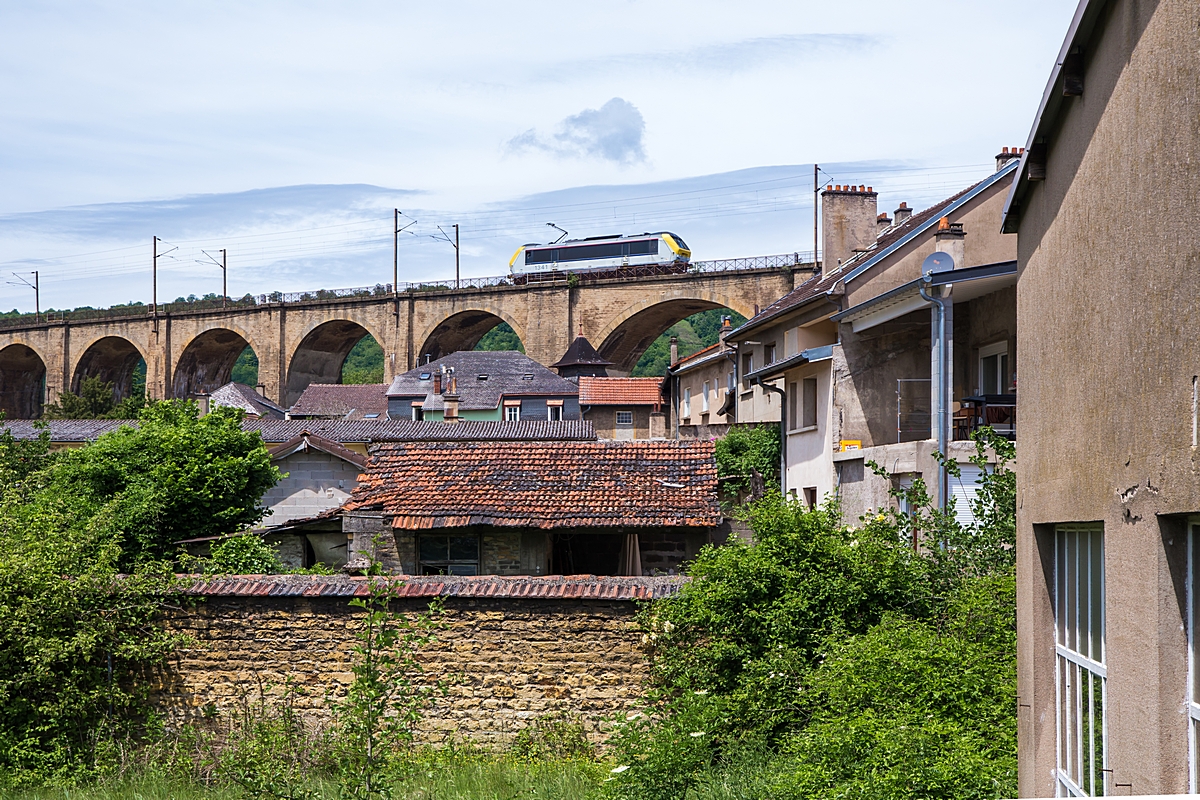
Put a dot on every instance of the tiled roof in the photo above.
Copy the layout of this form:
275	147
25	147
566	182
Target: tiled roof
581	353
505	372
275	431
551	587
542	484
342	401
308	440
238	395
620	391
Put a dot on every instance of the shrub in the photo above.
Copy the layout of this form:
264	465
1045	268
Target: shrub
245	554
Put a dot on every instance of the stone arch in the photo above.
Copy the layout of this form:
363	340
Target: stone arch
319	356
462	331
112	359
22	382
629	333
206	362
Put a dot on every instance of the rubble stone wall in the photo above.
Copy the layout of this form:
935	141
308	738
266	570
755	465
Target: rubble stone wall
505	662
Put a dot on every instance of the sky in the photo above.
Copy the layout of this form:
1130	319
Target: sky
286	133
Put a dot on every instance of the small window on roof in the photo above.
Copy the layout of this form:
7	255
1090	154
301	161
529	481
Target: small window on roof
528	376
426	376
481	377
370	416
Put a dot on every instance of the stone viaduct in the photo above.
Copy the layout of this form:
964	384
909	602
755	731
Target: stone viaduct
304	342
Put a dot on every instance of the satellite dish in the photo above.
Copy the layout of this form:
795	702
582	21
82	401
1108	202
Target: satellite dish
937	262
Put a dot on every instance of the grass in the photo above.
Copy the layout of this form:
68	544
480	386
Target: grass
473	776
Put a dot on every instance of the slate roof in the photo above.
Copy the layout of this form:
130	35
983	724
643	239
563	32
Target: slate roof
506	372
581	353
239	395
825	282
542	484
620	391
551	587
342	401
275	431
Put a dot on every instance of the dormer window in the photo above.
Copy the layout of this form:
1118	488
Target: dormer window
481	378
528	376
426	376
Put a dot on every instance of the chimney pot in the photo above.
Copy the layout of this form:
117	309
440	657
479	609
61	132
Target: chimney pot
951	238
902	214
1006	155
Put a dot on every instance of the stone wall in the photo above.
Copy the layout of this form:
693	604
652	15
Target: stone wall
511	650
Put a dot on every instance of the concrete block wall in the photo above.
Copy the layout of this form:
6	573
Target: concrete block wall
315	482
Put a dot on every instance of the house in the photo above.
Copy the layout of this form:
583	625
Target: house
483	385
849	363
704	389
536	507
1106	208
341	401
623	408
239	395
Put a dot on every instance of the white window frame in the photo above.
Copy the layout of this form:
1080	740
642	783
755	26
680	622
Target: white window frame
747	366
1076	774
1193	621
554	413
512	413
687	402
626	423
704	398
997	349
770	352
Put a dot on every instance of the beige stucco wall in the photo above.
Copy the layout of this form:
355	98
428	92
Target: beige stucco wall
810	450
1107	302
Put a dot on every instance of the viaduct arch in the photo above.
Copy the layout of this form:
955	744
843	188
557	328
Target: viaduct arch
307	341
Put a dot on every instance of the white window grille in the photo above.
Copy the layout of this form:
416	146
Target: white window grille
624	417
512	413
1080	672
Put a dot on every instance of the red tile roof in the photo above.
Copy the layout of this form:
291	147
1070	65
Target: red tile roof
579	587
565	484
620	391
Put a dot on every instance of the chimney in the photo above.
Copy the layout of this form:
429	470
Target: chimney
848	219
882	223
437	383
951	238
203	403
1006	155
450	401
903	213
674	351
726	327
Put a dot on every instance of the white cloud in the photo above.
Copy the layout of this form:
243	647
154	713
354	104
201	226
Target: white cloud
613	132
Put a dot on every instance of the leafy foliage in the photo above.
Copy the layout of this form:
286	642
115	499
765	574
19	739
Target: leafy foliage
245	369
501	337
694	333
742	452
96	400
844	660
245	554
364	362
176	476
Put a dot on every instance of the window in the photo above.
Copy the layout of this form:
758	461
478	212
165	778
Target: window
687	403
448	554
793	417
993	369
554	413
747	368
512	413
769	353
704	398
808	419
1080	672
625	418
418	413
1193	602
810	497
732	381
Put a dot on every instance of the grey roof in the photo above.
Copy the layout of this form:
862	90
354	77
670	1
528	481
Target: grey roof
342	401
276	431
239	395
508	374
581	353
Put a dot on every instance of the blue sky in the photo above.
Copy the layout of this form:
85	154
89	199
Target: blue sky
286	132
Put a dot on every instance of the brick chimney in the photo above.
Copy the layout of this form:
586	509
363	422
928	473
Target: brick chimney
951	238
903	213
450	401
882	223
1006	155
437	382
848	221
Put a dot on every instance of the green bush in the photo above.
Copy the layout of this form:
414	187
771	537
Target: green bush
745	451
245	554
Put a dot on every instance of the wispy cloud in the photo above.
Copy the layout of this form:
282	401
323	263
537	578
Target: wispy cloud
614	132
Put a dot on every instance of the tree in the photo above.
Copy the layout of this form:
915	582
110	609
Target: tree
176	476
96	400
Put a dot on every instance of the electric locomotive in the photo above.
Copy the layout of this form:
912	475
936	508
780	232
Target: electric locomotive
615	253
